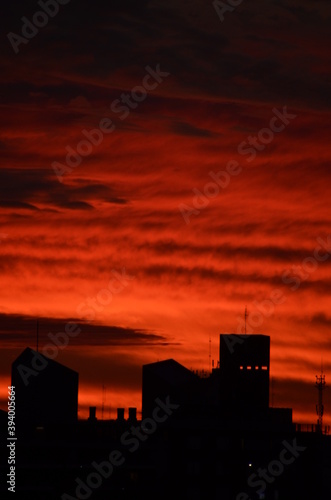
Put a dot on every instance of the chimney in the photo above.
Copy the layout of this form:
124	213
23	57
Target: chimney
120	414
92	417
133	414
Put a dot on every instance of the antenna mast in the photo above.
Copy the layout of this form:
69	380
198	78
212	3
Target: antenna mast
320	386
37	335
103	400
209	353
245	319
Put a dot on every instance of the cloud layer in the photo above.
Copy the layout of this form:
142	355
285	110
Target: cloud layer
119	207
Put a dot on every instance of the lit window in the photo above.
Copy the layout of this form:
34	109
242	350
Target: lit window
249	367
241	368
264	368
256	368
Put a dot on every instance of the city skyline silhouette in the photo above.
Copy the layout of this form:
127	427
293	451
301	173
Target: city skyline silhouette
222	419
165	240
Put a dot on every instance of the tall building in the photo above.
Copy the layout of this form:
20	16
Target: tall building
244	372
167	378
46	391
240	384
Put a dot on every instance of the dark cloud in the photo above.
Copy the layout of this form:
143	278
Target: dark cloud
320	319
21	188
202	59
188	129
17	204
18	329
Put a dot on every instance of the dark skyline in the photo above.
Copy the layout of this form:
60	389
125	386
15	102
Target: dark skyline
162	169
207	435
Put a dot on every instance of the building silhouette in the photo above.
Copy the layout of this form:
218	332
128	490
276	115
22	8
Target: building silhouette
238	387
219	439
168	378
46	391
244	372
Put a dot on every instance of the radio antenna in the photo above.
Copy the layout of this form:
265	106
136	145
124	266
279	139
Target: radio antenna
37	335
245	319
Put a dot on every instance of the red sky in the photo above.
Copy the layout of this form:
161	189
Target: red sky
120	208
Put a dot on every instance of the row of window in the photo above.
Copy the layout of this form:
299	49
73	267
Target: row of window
252	368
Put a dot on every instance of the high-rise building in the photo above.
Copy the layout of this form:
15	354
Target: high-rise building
46	391
244	372
167	378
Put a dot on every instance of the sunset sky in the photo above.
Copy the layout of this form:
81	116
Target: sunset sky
188	263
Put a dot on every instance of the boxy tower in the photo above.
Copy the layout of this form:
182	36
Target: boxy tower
167	378
46	391
244	373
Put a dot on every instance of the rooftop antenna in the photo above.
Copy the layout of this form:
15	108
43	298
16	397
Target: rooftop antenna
245	319
37	335
103	400
320	386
